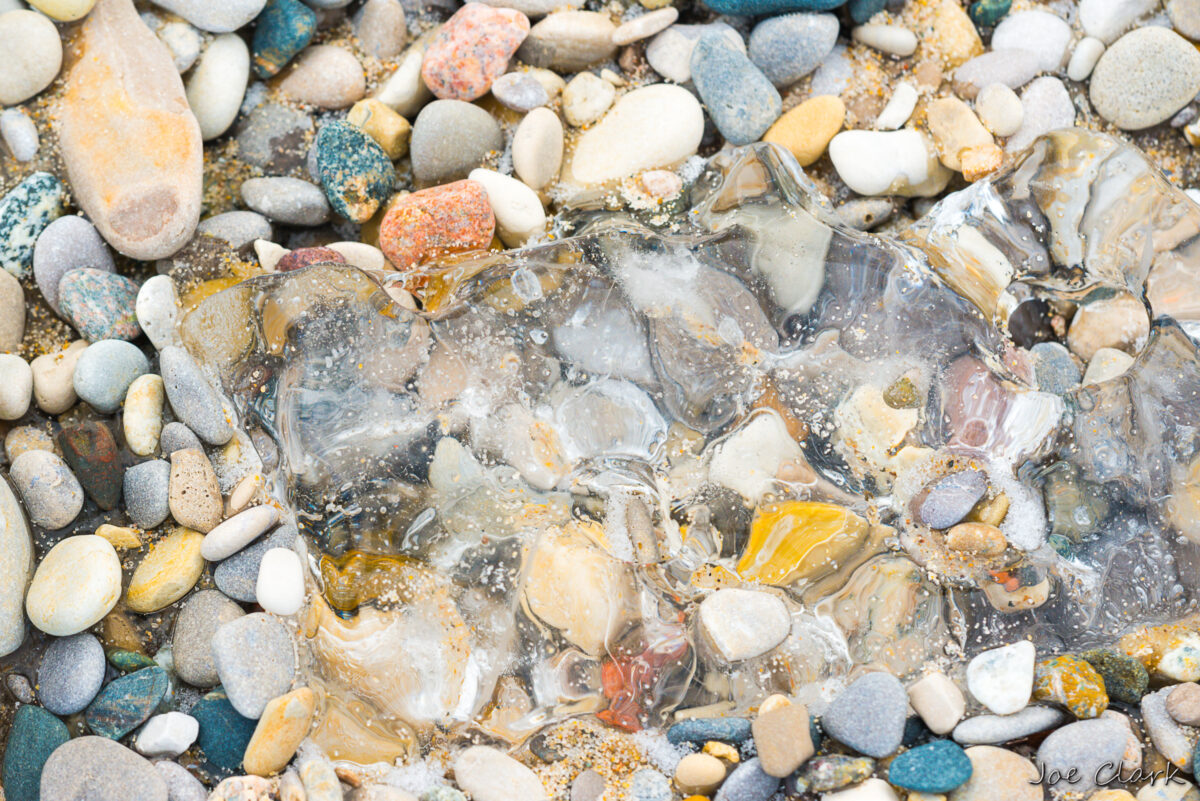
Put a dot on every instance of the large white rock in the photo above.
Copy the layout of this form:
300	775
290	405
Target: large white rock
1108	19
889	163
16	564
75	586
518	211
216	86
749	459
742	624
1002	679
1040	32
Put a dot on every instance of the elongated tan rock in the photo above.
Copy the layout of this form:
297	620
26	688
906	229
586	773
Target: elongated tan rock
130	143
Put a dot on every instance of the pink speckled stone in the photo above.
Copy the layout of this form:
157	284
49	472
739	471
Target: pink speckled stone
304	257
472	50
442	219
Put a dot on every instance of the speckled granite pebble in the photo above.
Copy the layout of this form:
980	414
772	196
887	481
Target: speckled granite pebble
24	214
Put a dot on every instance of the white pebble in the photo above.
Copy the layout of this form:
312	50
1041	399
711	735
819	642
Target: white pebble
742	624
999	109
167	735
360	254
19	133
870	790
1002	678
519	213
405	91
183	41
888	163
237	532
216	87
269	253
280	586
891	39
645	26
54	378
77	583
586	98
16	386
156	309
537	148
32	55
899	108
1084	59
1040	32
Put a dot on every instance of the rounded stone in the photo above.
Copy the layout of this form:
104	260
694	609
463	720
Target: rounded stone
215	16
77	584
739	98
12	312
283	29
998	774
68	243
51	493
34	736
537	150
287	200
99	304
788	47
71	673
142	421
166	573
569	41
280	586
869	715
742	624
327	77
216	86
157	303
936	767
255	661
237	576
53	378
191	644
471	50
177	437
1144	77
806	130
355	172
64	10
192	398
33	55
194	495
519	214
104	372
16	386
450	138
520	91
99	769
238	531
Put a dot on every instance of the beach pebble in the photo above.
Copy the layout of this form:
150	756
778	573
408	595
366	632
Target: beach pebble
280	586
34	52
869	715
168	571
254	660
238	228
284	723
443	219
93	768
782	738
99	304
991	729
490	775
898	109
214	16
325	76
238	531
670	52
517	209
747	782
356	174
27	438
387	128
19	134
742	624
893	40
537	148
999	109
1045	106
1002	678
1125	678
450	138
224	733
644	26
520	91
1144	78
167	735
306	257
739	98
177	437
1044	33
1013	68
1119	322
237	576
405	91
16	386
64	10
586	98
701	730
142	420
12	312
52	494
936	767
181	785
77	583
104	372
25	212
1084	57
183	40
954	128
569	41
652	126
157	310
142	210
194	496
71	673
998	774
191	643
1168	737
1086	747
699	774
1108	19
53	378
948	500
938	701
274	137
471	50
788	47
805	131
1183	703
68	243
90	450
281	31
381	28
888	163
216	86
32	738
192	398
146	488
286	200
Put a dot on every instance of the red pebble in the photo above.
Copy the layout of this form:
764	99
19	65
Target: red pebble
442	219
303	257
472	50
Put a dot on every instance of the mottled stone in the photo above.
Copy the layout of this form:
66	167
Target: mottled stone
869	715
224	733
127	702
192	398
450	138
34	736
90	450
471	50
355	172
68	243
168	571
98	769
433	222
740	99
284	28
255	661
25	212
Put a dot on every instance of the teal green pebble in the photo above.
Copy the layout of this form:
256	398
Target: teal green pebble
224	734
936	767
99	304
754	8
283	29
986	13
127	702
355	172
128	661
24	214
701	730
863	10
34	735
1125	678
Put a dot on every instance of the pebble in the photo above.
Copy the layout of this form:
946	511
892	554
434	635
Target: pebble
888	162
381	28
104	372
1002	678
325	76
192	398
1041	32
747	782
53	378
306	257
238	228
999	109
898	109
788	47
1119	321
991	729
286	200
782	739
99	304
670	52
16	386
387	128
156	308
191	644
1144	78
254	660
1013	68
12	312
893	40
569	41
274	137
537	148
1125	678
1108	19
954	128
741	624
280	586
648	784
284	723
487	774
356	174
1072	682
936	767
586	98
806	130
90	450
16	566
1045	106
740	100
282	30
938	701
77	583
450	138
216	87
869	715
1183	703
142	420
1083	59
645	26
1085	746
238	531
64	10
520	91
998	774
181	785
68	243
139	208
168	572
224	733
194	496
405	91
51	493
1054	368
471	50
214	16
1171	740
122	538
71	673
698	774
652	126
183	40
177	437
127	702
35	735
517	209
948	500
237	576
19	134
35	55
25	212
169	735
431	222
98	769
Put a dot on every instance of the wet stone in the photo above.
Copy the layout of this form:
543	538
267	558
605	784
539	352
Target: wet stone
127	702
824	773
192	398
283	29
254	660
948	500
356	174
1183	703
747	782
237	576
99	304
71	673
869	715
701	730
34	736
90	450
1085	747
105	371
224	734
25	212
937	767
177	437
147	492
68	243
1072	682
991	729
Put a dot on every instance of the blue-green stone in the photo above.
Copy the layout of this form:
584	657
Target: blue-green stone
986	13
24	214
224	734
355	172
34	735
701	730
936	767
1125	678
128	661
127	702
863	10
283	29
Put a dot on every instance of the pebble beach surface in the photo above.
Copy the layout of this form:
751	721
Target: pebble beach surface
200	597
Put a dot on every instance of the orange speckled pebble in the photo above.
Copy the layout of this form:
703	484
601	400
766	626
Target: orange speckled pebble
442	219
472	50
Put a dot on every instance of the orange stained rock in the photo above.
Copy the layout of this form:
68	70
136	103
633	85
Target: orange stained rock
799	539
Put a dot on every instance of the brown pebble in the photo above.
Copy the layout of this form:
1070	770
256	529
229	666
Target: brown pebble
194	496
980	161
977	538
1183	703
782	738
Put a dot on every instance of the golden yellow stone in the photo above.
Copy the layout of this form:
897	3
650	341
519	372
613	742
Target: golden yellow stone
799	540
980	161
1072	682
171	568
382	124
990	510
807	129
723	751
120	537
977	538
283	724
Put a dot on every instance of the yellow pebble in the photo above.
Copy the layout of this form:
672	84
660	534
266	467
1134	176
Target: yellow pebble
977	538
169	570
723	751
807	129
773	702
383	125
121	538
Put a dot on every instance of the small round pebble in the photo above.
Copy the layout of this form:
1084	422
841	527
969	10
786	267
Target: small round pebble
99	304
280	586
177	437
191	644
217	85
747	782
282	30
739	98
538	148
238	531
52	494
936	767
869	715
520	91
19	134
255	661
146	492
450	138
68	243
104	372
156	307
999	109
33	55
181	785
53	378
326	77
286	200
71	673
16	386
790	46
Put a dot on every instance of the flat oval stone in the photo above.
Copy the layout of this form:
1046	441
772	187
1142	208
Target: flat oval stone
191	643
471	50
33	53
67	243
224	734
286	200
238	531
16	567
49	489
998	774
104	372
280	587
127	702
181	785
71	673
192	398
381	28
537	148
1084	747
129	141
167	572
34	736
77	583
283	725
355	172
255	661
142	420
569	41
788	47
284	28
747	782
19	134
99	304
326	77
490	775
12	312
194	495
25	212
214	16
1144	77
742	624
936	767
701	730
90	450
739	98
869	715
449	139
992	729
217	85
948	500
16	386
98	769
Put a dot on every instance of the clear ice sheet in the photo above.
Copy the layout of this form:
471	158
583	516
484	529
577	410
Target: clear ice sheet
515	499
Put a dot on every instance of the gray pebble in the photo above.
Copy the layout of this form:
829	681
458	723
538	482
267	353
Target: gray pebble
192	398
71	673
834	75
191	644
274	137
1169	738
238	228
181	785
739	98
450	138
105	371
790	46
287	200
19	134
67	244
670	52
864	214
177	437
869	715
1144	77
1013	68
1054	368
520	91
948	500
993	729
19	688
747	782
52	495
647	784
1085	746
146	493
255	661
99	769
588	786
1185	17
237	576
